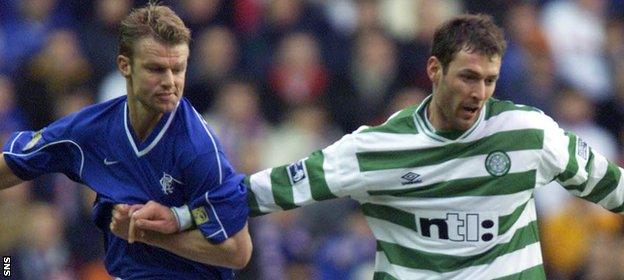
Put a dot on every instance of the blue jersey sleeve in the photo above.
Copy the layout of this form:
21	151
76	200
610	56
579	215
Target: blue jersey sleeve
219	204
30	154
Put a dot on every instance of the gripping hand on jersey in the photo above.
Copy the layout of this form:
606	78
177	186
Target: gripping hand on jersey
135	222
156	217
122	222
126	219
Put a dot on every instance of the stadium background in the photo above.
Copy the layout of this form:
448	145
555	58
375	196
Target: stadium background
278	79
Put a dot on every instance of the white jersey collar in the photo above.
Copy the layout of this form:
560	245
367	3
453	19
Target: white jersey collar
423	124
156	139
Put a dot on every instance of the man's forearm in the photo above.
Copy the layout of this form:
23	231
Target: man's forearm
158	226
233	252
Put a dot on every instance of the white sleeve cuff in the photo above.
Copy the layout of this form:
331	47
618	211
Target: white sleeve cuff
183	217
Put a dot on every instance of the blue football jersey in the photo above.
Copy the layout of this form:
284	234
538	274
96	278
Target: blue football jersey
180	162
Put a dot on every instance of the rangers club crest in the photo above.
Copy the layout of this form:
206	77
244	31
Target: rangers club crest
166	183
497	163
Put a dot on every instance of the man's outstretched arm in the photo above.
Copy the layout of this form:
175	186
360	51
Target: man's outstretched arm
319	172
156	225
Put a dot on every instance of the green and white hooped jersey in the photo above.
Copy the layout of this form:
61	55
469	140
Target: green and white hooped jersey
440	208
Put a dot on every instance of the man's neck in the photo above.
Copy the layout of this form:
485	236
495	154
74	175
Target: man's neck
142	119
435	116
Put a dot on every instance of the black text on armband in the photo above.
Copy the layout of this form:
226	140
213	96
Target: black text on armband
6	266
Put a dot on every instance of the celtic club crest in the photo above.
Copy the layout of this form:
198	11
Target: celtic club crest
497	163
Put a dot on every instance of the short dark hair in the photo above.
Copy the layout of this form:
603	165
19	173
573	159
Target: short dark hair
473	33
154	20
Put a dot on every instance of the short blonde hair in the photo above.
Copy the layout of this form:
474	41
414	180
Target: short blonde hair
153	20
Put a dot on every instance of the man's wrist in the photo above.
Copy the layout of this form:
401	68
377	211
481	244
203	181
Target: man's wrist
182	215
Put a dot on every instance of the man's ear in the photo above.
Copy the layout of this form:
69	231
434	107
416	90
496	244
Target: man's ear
434	69
123	64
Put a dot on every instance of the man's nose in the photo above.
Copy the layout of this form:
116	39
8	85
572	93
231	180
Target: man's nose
167	80
478	90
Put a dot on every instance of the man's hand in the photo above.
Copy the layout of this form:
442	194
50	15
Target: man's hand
142	223
156	217
122	223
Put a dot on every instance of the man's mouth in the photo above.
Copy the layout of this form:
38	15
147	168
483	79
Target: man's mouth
164	96
471	109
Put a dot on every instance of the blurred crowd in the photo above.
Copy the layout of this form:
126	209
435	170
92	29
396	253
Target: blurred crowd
278	79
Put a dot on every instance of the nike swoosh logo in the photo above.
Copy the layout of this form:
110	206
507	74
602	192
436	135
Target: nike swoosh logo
110	162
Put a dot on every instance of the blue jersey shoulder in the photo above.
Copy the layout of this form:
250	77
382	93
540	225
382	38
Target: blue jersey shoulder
201	138
87	122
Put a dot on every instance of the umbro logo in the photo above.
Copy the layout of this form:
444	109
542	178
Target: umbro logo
411	178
